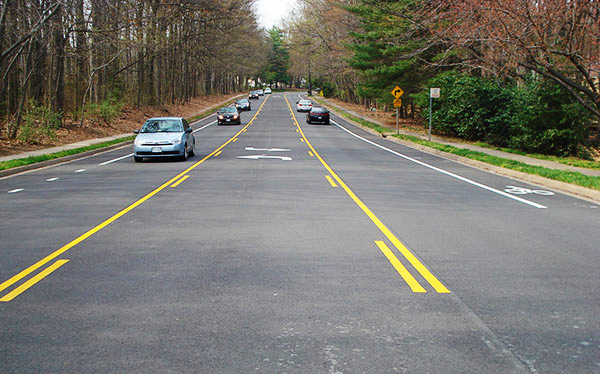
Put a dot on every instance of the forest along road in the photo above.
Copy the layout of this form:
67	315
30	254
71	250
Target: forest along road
283	247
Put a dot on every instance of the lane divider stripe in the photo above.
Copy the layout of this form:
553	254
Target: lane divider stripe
180	181
25	286
331	182
414	285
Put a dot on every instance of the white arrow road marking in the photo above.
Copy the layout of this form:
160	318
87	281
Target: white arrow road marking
267	149
256	157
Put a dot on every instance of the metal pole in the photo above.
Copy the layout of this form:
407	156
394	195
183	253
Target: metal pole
430	100
309	80
397	121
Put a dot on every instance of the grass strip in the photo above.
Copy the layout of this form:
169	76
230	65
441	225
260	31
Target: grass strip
571	177
572	161
35	159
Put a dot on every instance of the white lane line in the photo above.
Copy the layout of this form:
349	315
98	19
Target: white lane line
116	159
488	188
80	171
16	190
205	126
51	179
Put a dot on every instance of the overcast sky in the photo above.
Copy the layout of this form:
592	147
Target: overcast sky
270	12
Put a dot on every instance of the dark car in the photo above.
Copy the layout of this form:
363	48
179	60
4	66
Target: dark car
253	95
318	114
243	104
229	116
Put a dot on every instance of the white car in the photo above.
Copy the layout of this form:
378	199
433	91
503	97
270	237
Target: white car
267	90
304	106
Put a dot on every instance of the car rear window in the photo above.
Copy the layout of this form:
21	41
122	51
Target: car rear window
319	110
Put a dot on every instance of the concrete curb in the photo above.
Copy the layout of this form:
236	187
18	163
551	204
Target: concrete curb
567	188
65	159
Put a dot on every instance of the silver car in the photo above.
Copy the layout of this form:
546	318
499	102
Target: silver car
164	137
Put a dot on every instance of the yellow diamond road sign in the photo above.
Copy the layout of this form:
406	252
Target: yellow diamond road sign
397	92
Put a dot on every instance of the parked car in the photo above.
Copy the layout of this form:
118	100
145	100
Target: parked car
267	90
164	137
318	114
260	92
243	104
303	106
229	116
253	95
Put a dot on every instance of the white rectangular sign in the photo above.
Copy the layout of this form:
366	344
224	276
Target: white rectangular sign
434	92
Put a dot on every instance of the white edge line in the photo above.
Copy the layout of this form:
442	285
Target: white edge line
16	190
116	159
491	189
205	126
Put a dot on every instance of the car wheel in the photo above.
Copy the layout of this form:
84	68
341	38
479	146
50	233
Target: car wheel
185	153
328	123
193	151
137	159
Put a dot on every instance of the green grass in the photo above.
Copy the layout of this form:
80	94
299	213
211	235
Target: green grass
572	161
35	159
559	175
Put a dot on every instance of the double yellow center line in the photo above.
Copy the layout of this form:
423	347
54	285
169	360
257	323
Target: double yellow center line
412	259
171	182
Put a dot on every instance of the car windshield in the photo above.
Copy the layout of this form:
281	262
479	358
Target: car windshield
162	126
228	110
242	101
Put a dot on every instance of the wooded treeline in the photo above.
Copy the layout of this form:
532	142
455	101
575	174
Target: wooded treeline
520	73
64	55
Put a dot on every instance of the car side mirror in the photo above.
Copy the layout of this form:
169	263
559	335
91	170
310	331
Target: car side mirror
188	130
136	131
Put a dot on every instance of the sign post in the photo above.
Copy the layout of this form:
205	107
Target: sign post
397	92
433	92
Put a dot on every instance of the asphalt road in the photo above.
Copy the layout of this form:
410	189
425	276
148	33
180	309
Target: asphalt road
283	247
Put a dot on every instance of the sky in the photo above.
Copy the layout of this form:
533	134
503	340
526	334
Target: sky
270	12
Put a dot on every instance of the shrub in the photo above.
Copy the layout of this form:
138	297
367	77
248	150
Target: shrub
538	117
39	123
109	109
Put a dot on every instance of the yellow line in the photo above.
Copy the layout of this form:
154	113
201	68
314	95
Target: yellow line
25	286
311	154
404	273
331	181
235	140
297	130
94	230
179	181
217	154
302	140
435	283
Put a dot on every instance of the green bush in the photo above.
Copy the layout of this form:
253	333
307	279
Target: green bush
539	116
109	109
39	123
